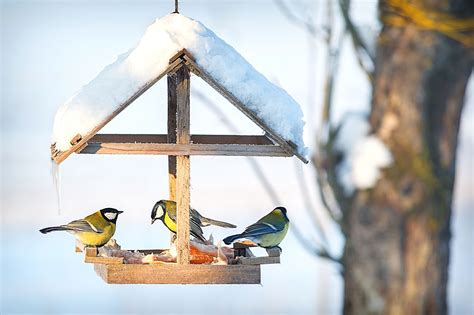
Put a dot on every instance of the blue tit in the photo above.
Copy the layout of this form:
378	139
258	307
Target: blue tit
267	232
94	230
165	210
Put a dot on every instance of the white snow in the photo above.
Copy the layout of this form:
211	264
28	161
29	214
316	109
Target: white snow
163	39
364	154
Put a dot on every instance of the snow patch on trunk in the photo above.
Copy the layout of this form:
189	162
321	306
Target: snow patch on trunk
364	154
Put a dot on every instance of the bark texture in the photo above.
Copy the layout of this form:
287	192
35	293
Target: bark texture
397	251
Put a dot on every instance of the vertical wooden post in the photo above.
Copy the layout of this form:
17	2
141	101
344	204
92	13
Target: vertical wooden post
180	87
172	110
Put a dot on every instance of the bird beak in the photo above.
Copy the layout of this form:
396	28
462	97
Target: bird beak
119	212
153	221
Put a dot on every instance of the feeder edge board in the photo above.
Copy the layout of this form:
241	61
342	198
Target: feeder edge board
178	274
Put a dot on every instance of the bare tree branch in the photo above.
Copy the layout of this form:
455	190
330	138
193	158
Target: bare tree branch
361	49
308	25
311	246
320	157
310	209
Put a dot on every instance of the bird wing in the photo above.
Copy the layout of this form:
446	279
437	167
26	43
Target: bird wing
82	226
275	220
194	224
261	229
195	214
203	221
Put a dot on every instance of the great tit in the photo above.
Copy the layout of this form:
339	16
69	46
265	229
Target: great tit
165	210
94	230
267	232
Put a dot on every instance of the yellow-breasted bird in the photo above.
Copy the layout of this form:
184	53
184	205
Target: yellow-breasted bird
94	230
165	210
267	232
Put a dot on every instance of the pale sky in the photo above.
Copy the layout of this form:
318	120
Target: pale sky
51	48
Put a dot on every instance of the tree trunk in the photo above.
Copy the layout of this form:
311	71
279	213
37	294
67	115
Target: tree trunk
397	250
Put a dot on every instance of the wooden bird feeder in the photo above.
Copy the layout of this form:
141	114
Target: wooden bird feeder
179	145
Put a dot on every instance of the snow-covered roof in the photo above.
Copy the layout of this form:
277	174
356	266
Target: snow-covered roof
99	101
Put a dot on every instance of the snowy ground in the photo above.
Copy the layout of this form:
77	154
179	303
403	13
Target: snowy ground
49	49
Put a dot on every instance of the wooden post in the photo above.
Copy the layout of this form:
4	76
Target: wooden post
172	133
180	87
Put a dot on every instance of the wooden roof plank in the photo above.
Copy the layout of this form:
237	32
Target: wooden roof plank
81	141
196	69
84	138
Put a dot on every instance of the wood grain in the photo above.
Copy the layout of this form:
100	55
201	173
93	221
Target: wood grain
182	164
92	257
170	138
185	149
178	274
257	260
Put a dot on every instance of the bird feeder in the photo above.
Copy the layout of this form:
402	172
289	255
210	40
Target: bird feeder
179	145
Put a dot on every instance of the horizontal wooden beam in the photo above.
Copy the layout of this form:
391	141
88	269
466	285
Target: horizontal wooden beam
198	139
257	260
92	257
184	149
178	274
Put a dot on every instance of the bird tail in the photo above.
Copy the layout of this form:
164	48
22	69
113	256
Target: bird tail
207	221
54	228
230	239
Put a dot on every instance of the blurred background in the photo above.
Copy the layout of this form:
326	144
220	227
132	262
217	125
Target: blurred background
49	49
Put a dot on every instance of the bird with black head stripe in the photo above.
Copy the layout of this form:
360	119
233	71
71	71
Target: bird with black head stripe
267	232
94	230
165	211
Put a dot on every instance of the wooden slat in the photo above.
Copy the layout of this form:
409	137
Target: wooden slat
182	204
184	149
148	251
58	158
103	260
274	252
133	138
257	260
199	139
231	139
178	274
171	136
236	102
91	257
182	165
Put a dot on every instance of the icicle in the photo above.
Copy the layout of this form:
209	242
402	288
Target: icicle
56	175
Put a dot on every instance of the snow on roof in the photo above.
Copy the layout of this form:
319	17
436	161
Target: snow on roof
117	82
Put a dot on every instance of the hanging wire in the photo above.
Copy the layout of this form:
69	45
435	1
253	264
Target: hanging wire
176	6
